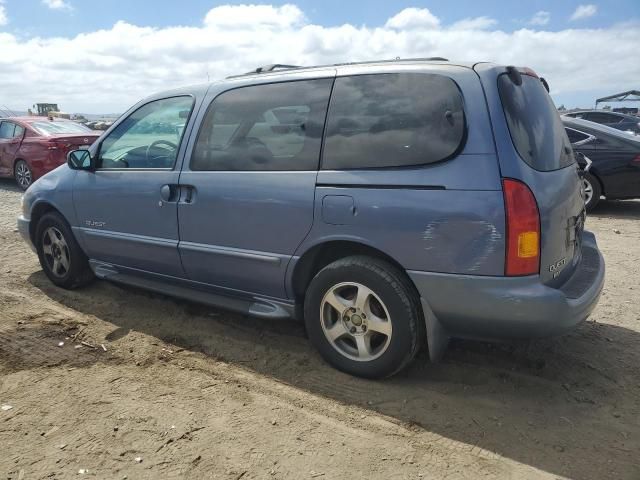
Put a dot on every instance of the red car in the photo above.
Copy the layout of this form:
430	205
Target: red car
33	146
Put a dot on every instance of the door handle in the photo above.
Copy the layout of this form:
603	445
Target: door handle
169	193
187	194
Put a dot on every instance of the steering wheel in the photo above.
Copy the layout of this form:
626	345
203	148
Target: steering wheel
172	145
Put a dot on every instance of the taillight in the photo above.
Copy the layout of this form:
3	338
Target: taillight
523	229
636	160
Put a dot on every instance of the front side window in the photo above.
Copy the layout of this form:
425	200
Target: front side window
393	120
19	131
148	138
264	127
6	130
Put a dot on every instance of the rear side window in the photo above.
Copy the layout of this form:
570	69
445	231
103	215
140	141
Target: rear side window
393	120
576	137
535	126
264	127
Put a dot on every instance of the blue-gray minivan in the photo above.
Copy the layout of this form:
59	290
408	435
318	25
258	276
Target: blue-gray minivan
389	204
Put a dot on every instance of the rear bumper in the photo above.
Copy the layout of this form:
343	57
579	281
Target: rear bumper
513	307
23	228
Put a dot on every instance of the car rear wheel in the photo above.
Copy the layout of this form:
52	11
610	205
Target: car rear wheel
364	317
22	174
592	191
61	258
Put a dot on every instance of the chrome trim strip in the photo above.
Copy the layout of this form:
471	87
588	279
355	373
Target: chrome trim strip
161	242
230	252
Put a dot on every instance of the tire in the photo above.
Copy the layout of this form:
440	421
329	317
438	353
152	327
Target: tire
593	191
390	306
61	258
22	174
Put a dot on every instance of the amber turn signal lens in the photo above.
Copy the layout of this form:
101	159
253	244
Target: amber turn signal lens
528	244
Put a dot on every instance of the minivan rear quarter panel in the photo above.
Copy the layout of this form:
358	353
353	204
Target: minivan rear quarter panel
441	217
557	192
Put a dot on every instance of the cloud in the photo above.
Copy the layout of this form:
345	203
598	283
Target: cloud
584	11
57	4
540	18
108	70
412	18
477	23
242	16
3	14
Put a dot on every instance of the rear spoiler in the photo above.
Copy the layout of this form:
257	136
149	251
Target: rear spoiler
515	74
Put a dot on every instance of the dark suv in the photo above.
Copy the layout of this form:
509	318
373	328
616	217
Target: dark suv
385	203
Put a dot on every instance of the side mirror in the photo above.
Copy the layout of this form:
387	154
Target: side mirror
80	160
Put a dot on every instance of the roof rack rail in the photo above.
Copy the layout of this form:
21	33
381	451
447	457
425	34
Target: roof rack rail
280	66
267	68
271	68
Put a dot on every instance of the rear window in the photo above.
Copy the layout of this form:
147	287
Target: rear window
393	120
535	126
51	128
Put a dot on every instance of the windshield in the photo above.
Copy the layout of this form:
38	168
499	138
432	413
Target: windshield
55	127
535	126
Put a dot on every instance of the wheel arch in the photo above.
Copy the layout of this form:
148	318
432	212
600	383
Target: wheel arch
318	256
37	212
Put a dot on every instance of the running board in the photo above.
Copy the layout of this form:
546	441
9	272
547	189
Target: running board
244	304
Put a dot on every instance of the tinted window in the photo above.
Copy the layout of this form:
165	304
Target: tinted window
535	126
391	120
576	136
601	117
264	127
148	138
6	130
54	126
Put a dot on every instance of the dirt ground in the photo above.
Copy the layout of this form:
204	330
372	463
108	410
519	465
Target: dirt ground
185	391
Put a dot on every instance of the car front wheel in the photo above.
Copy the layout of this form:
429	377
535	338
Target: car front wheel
364	317
61	258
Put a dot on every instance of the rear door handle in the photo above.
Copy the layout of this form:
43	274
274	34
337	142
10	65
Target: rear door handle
187	194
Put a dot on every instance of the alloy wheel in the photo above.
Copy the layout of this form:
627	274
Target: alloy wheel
588	191
355	321
23	175
56	252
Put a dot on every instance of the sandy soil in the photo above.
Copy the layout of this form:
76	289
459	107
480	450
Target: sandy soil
185	391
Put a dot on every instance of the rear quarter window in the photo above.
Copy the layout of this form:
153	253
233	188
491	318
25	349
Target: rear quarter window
534	124
393	120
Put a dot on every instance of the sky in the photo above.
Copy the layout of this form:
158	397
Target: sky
102	56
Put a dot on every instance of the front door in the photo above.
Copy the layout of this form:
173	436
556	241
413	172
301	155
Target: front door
251	181
127	208
10	139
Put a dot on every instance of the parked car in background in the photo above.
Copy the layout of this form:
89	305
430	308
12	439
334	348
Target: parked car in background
613	166
619	121
433	199
33	146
